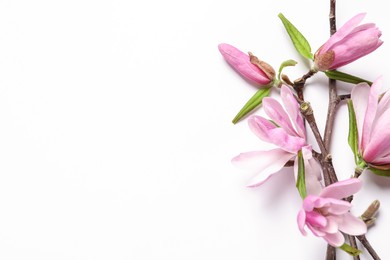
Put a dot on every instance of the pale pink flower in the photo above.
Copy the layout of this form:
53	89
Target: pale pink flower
373	123
241	62
351	42
327	215
287	131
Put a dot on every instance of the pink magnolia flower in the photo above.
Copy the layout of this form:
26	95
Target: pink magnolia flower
327	215
348	44
261	73
373	123
287	131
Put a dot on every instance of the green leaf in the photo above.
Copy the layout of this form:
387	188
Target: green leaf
350	250
301	184
252	103
286	63
337	75
299	41
353	135
385	173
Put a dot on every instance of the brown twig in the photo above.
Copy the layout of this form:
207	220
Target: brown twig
368	246
334	100
352	241
331	251
344	97
300	83
326	161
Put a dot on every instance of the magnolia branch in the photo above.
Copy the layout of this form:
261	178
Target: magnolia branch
331	251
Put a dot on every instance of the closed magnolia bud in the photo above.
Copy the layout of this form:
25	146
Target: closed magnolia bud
348	44
248	66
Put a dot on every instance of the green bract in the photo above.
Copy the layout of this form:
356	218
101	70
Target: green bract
284	64
299	41
337	75
252	103
353	136
301	184
350	250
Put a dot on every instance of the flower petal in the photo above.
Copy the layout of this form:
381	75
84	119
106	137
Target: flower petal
289	143
241	63
301	219
342	189
317	232
265	162
332	226
359	96
383	105
276	112
379	145
352	225
316	219
312	172
309	202
336	239
292	108
355	46
261	127
342	32
338	207
370	111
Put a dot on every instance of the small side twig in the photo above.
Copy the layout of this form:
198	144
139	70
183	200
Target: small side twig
368	246
352	241
344	97
300	83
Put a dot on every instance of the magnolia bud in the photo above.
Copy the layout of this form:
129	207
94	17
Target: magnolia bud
261	73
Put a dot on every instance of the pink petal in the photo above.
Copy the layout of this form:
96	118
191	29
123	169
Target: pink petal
342	32
332	226
321	202
355	46
276	112
359	96
292	108
371	111
342	189
336	239
265	162
379	145
256	160
383	108
312	172
317	232
381	160
330	205
301	219
362	27
241	63
261	127
383	105
291	144
268	132
316	219
309	202
352	225
338	207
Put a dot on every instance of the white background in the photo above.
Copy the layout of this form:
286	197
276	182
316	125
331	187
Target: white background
116	134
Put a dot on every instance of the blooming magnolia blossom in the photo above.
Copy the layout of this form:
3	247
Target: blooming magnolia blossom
241	62
287	131
327	215
348	44
373	121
